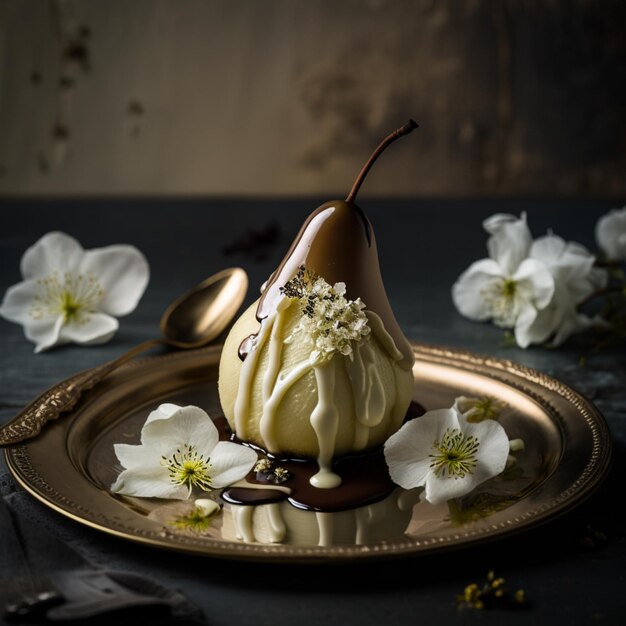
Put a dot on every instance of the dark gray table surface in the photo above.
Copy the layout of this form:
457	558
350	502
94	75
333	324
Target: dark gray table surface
424	245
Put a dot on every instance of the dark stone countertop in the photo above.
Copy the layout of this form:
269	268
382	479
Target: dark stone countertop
424	245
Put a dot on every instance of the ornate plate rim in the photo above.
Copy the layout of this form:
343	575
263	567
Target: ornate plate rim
501	370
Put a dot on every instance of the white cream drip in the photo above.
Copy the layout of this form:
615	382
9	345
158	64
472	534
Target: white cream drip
246	378
267	425
366	517
378	329
246	525
280	522
325	524
242	517
275	522
370	401
325	421
275	350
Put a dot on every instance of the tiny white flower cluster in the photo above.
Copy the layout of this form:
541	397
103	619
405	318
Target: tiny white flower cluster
330	322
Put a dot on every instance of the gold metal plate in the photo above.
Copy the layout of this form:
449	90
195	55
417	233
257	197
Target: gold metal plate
71	464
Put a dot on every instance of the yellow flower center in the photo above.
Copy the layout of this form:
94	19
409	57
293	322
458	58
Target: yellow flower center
501	298
187	467
509	287
73	298
196	521
455	455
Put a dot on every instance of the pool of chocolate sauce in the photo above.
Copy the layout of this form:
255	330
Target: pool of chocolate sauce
365	478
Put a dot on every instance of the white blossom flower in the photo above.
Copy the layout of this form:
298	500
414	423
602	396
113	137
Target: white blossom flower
508	287
444	453
575	278
611	234
179	450
73	295
330	322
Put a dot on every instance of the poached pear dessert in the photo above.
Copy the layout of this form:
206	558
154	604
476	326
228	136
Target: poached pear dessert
318	367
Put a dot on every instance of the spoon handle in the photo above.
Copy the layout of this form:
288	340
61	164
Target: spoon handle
62	397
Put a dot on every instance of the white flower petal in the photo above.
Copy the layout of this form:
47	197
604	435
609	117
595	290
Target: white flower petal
611	234
547	249
493	449
18	301
571	264
510	240
407	451
136	457
536	277
17	307
148	483
163	411
55	251
230	462
408	472
90	329
45	333
188	425
533	326
122	271
441	489
468	291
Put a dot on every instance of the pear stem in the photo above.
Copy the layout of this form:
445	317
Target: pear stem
404	130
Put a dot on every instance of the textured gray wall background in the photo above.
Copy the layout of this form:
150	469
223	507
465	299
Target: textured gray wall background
284	98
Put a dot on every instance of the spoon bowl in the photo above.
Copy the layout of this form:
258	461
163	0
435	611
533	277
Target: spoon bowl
202	313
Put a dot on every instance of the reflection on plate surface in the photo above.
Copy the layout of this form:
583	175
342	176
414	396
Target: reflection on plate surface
71	465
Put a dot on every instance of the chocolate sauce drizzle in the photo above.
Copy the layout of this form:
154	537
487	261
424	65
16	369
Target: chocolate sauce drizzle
365	478
336	242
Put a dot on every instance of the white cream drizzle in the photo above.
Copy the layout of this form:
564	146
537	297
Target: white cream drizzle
242	517
325	524
275	350
370	400
360	526
325	421
246	378
245	525
275	522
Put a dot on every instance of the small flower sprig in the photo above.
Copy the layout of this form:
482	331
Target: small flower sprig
267	471
329	321
538	290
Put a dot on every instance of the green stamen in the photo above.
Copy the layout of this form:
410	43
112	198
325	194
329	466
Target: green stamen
196	521
187	467
456	455
509	287
69	306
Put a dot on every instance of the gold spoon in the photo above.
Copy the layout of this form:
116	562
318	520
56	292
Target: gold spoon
193	320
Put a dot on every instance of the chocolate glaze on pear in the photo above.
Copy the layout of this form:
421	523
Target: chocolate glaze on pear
337	242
